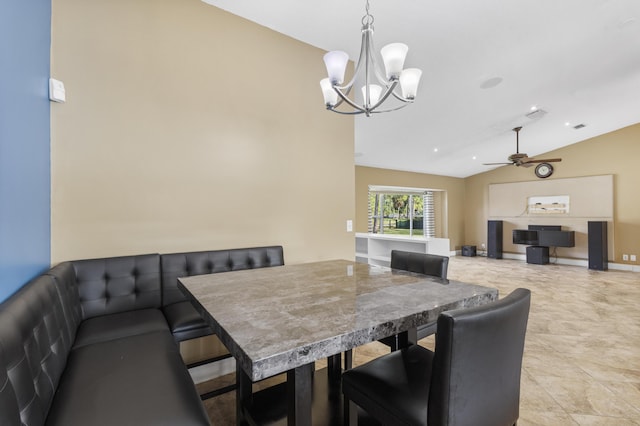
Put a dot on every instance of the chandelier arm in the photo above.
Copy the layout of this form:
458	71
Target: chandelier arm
337	104
342	95
345	112
385	95
349	101
390	109
358	64
377	68
359	111
367	47
401	98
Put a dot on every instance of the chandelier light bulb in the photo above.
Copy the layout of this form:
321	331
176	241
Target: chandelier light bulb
409	80
336	63
393	56
330	95
374	94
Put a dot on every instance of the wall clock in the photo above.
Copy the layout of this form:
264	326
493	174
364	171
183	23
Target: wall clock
544	170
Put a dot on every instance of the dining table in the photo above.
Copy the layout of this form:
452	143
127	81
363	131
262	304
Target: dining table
283	319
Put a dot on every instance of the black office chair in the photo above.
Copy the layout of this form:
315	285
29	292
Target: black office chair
472	378
420	263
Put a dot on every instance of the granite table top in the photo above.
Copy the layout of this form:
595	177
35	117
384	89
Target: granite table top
279	318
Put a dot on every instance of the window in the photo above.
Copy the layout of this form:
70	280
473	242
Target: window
402	211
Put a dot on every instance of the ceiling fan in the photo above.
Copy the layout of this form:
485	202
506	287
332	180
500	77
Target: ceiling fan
520	158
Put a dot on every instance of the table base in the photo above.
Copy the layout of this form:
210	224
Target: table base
269	406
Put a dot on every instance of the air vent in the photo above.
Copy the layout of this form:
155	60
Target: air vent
537	114
579	126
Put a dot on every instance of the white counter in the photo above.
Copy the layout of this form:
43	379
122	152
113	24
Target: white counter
376	248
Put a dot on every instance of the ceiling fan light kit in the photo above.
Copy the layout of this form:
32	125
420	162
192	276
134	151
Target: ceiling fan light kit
373	95
522	159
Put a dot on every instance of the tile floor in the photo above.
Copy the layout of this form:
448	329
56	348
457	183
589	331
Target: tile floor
582	355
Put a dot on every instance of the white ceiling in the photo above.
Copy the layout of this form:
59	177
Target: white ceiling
578	60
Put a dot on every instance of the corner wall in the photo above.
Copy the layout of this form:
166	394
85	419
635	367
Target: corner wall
188	128
25	41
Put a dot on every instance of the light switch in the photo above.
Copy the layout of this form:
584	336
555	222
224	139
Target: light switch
349	225
56	90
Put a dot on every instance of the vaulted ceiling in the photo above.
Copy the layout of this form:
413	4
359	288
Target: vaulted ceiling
487	64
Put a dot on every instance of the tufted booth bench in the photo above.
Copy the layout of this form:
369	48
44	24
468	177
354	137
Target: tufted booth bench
94	342
185	322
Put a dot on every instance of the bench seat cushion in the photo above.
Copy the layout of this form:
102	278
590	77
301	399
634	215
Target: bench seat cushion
138	380
185	322
117	326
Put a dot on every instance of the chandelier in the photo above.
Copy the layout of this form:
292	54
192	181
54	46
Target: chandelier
373	95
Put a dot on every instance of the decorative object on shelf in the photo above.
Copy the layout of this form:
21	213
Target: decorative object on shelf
374	95
522	159
544	170
549	205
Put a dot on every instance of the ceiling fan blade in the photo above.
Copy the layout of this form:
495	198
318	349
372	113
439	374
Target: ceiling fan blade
548	160
497	164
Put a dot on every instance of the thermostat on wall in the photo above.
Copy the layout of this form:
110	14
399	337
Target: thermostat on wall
56	90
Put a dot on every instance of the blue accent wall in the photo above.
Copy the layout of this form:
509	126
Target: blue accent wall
25	178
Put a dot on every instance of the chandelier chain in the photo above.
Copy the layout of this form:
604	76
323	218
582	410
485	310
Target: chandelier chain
367	20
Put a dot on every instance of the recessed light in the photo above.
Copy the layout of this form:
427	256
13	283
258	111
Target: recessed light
534	108
536	114
567	124
474	157
435	149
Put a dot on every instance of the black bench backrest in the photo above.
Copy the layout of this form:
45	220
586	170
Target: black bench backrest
112	285
34	345
176	265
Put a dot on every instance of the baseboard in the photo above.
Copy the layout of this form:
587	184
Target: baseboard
213	370
572	262
624	267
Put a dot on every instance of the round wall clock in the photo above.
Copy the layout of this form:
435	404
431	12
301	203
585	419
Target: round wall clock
544	170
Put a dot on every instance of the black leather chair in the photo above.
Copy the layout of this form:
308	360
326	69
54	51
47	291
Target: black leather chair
420	263
472	378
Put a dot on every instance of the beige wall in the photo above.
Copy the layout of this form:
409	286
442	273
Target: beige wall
455	195
187	128
614	153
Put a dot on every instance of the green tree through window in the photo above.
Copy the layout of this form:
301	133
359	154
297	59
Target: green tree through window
405	212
